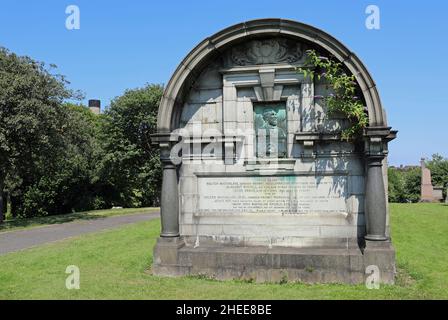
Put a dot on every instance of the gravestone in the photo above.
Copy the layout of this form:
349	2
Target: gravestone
257	182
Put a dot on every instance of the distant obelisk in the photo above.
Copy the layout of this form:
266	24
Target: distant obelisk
427	190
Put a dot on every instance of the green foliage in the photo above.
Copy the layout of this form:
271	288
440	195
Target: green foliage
404	185
412	182
396	186
65	184
344	99
58	157
129	164
31	120
439	171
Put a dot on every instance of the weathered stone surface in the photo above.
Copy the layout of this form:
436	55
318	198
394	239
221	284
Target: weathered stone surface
272	195
277	264
298	210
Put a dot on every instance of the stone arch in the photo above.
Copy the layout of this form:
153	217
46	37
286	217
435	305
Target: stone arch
366	171
211	47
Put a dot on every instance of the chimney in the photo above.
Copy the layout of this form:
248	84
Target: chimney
95	106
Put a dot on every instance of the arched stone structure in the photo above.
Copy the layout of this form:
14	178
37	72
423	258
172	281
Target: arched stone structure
273	64
214	45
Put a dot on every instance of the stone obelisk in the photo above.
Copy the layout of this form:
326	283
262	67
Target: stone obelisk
427	190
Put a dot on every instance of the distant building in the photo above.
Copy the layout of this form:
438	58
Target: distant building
95	106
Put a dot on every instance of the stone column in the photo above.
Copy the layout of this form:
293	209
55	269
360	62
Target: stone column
378	250
376	139
169	207
166	250
376	208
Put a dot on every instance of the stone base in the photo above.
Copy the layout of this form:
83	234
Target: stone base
278	264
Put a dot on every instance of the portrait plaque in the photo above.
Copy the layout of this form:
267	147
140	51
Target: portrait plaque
270	130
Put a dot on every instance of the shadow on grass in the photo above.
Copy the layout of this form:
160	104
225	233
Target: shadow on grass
21	223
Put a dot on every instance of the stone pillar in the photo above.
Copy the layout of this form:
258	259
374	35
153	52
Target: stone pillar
378	250
169	207
376	139
166	250
376	208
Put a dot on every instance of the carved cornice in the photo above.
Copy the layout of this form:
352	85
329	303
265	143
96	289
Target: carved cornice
268	51
376	139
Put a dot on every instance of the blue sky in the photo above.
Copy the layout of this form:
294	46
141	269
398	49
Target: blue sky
125	44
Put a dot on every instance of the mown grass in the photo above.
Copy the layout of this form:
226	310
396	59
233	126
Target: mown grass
20	223
114	265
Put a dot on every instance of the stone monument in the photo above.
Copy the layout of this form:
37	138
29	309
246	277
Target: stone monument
429	193
257	183
426	184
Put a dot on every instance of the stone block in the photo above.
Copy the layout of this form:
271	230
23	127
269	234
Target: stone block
338	231
355	204
188	185
189	202
209	113
356	185
291	91
244	111
166	251
271	265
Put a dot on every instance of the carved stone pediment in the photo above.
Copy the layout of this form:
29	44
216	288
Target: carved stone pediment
267	51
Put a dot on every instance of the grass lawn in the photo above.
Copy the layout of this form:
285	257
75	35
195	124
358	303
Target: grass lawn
14	224
113	265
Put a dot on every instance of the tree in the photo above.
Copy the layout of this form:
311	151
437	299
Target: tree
130	165
412	185
396	185
30	110
404	185
57	157
66	182
439	171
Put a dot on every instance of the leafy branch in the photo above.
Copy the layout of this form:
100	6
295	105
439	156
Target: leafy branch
344	99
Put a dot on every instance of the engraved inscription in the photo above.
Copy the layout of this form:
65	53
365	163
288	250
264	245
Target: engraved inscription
280	194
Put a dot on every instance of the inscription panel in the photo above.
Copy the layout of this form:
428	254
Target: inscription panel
272	195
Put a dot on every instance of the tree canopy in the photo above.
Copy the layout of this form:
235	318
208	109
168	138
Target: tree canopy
404	184
58	157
